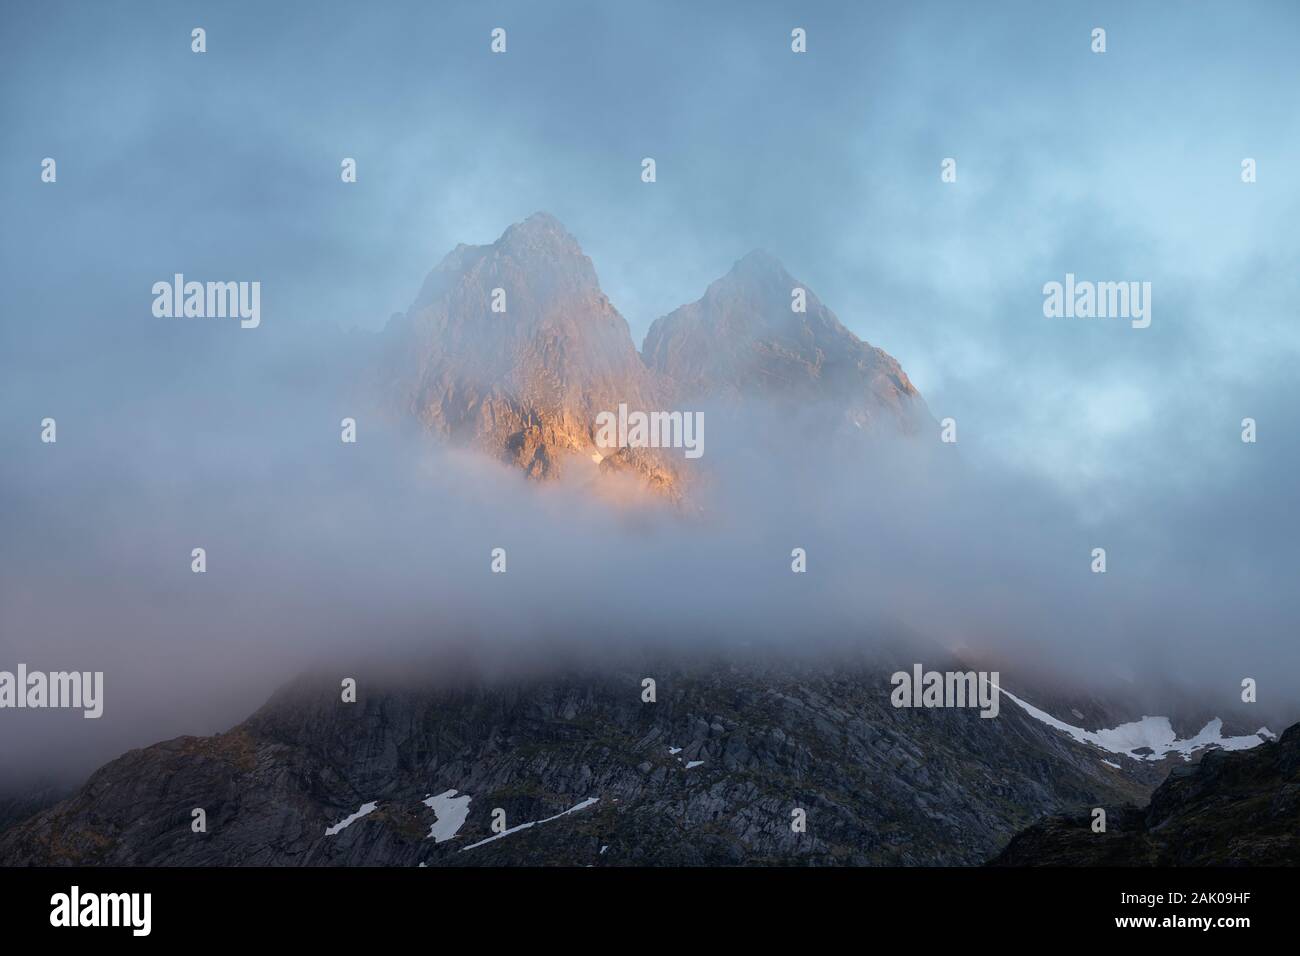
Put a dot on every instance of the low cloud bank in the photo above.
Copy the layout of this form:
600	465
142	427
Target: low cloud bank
381	552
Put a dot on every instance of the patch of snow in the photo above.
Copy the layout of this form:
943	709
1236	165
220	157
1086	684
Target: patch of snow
603	849
532	823
674	750
450	812
1111	763
1152	733
693	763
347	821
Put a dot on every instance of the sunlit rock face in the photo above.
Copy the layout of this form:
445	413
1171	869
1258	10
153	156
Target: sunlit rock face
526	383
512	348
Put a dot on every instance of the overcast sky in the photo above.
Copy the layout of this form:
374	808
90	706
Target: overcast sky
1117	166
1123	165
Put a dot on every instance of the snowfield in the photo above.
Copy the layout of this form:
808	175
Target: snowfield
1153	733
449	812
348	820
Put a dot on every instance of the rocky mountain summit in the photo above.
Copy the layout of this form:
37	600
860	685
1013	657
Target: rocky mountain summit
1232	808
512	348
746	338
586	772
526	383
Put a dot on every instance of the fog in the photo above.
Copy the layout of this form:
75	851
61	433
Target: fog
376	556
1072	435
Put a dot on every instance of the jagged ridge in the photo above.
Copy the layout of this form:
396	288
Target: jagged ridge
528	384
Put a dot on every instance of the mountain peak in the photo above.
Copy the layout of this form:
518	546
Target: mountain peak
543	218
758	331
756	276
512	347
757	267
540	232
758	260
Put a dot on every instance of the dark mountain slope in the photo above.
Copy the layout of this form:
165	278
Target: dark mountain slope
879	785
1237	808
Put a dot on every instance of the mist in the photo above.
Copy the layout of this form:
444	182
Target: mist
177	434
376	556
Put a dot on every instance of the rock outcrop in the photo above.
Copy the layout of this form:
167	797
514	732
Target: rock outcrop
524	384
1232	808
744	340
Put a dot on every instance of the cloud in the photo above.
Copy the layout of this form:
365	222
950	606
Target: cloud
1072	435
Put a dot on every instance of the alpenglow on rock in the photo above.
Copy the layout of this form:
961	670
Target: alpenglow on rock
527	383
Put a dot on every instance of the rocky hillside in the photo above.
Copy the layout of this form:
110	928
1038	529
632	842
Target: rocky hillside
586	773
1229	809
22	802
